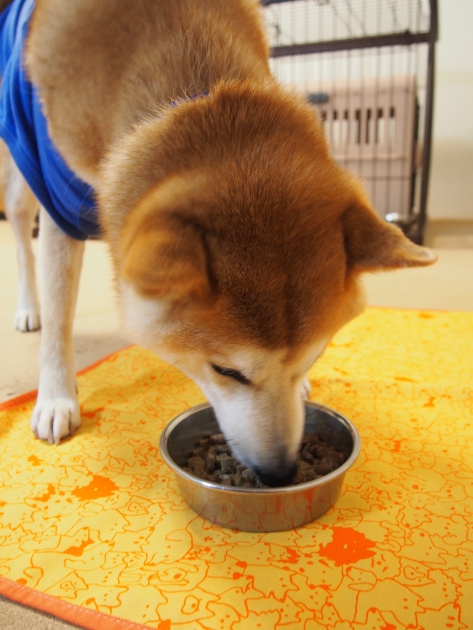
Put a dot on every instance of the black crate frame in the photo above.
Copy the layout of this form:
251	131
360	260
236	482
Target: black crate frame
414	225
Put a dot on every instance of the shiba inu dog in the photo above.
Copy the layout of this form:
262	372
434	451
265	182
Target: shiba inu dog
237	241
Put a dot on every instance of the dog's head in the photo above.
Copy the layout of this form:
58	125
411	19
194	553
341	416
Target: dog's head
241	257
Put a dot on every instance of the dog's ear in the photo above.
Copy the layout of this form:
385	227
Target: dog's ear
164	250
168	262
371	244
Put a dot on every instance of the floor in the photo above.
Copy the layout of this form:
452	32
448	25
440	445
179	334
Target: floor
447	285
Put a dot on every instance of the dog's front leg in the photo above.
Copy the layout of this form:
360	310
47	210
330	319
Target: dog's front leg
21	208
57	413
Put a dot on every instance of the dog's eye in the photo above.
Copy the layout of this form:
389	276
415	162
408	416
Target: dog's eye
235	374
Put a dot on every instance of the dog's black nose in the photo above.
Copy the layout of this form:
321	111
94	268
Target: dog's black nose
278	478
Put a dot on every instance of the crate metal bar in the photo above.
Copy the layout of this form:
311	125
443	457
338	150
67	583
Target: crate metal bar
418	235
405	38
414	226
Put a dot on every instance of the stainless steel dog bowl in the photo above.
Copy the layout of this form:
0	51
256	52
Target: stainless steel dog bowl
257	509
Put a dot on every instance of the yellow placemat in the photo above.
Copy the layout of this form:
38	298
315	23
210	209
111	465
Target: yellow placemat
95	530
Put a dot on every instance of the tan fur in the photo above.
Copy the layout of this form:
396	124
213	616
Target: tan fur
117	61
236	239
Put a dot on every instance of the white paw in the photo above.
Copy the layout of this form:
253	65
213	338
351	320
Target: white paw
306	388
55	418
27	319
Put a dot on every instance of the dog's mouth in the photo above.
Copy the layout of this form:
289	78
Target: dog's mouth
280	477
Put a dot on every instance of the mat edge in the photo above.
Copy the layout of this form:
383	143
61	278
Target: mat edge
72	613
27	397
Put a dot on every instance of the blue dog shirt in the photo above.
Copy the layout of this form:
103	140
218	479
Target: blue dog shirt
23	127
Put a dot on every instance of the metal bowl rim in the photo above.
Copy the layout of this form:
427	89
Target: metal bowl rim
321	481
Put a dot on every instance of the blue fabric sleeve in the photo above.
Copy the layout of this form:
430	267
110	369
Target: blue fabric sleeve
23	126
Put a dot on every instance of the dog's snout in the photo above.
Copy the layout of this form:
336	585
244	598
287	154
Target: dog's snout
274	477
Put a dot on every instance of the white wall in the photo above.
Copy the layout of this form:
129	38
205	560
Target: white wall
451	184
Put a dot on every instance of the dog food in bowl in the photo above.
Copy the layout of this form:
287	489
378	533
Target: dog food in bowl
212	460
257	508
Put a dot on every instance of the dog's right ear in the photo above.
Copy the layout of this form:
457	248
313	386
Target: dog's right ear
164	251
168	262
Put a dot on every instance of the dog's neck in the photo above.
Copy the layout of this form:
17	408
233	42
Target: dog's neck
192	97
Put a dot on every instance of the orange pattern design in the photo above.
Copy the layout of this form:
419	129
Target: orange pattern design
98	522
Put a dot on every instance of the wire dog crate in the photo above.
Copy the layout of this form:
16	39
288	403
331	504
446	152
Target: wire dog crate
367	66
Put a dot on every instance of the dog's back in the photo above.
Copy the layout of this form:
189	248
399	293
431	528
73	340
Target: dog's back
116	62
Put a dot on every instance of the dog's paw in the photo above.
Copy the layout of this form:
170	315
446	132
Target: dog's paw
55	419
27	319
306	388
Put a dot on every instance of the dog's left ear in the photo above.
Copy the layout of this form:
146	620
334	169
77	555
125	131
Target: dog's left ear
371	244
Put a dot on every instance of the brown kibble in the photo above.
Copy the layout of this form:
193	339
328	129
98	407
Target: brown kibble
227	464
222	448
198	452
225	480
197	465
237	480
307	456
321	452
338	458
212	460
325	466
217	438
248	475
212	478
